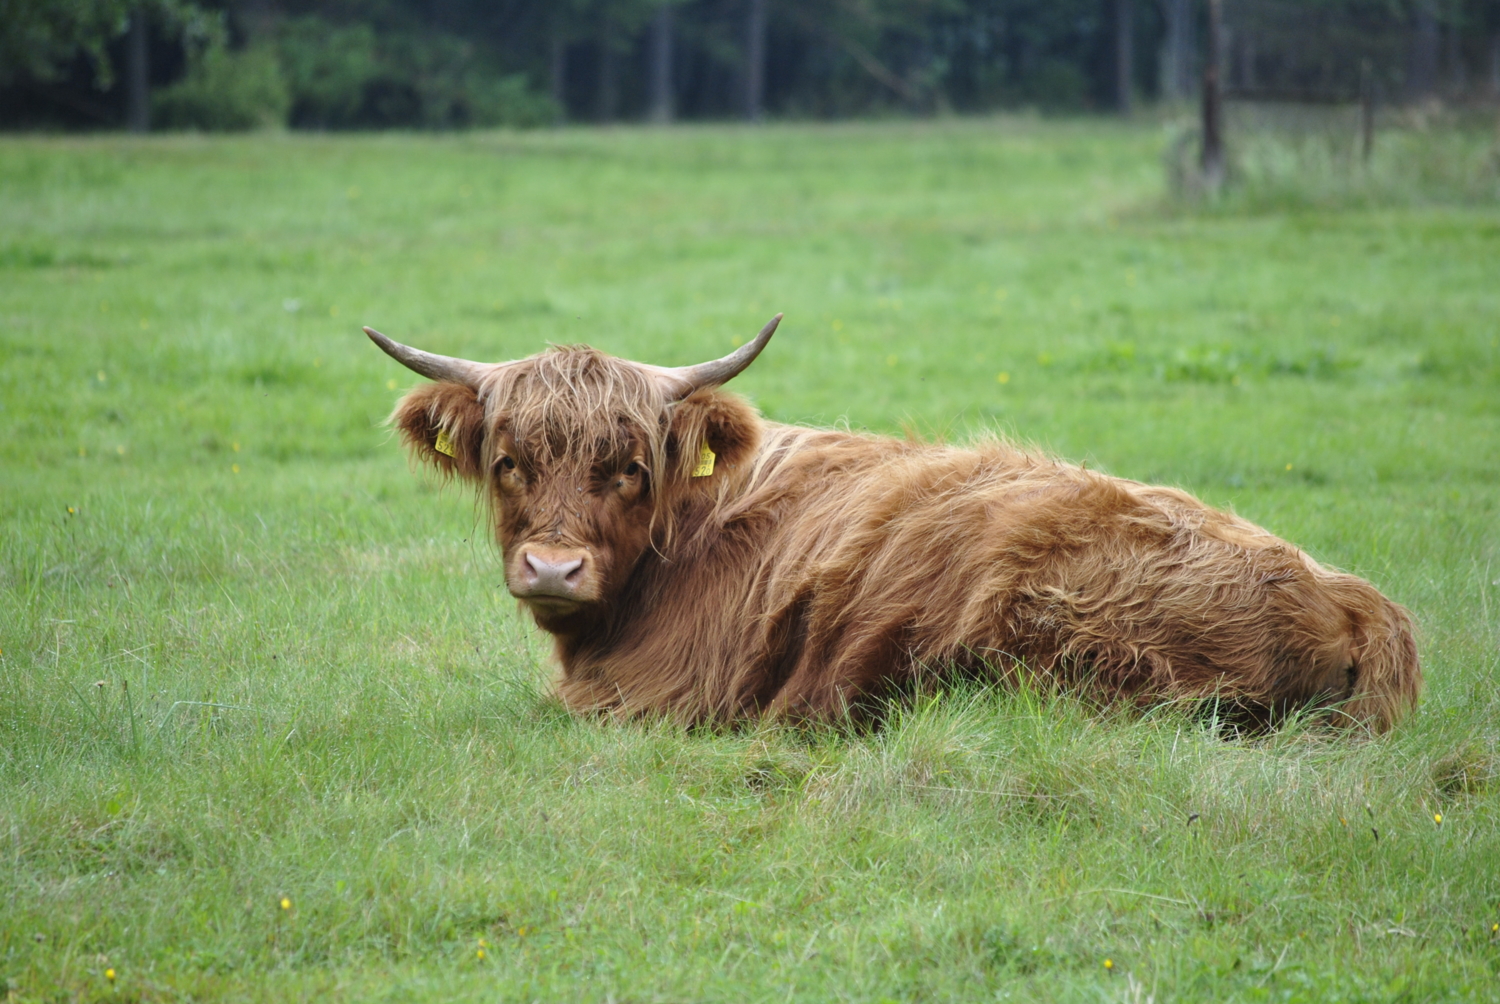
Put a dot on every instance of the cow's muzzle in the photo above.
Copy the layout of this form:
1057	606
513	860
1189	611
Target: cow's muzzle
553	576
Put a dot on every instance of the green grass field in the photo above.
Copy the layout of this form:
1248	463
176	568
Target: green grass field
270	727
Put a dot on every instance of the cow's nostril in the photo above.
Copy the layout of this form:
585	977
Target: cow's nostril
543	577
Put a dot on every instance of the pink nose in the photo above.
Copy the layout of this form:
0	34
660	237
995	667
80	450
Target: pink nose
552	578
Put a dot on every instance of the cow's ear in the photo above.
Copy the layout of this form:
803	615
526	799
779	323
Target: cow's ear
728	426
442	424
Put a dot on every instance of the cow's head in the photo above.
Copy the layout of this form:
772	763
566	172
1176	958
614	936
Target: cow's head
585	459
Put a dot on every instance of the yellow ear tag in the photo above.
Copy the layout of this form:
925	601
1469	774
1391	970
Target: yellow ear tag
705	461
444	445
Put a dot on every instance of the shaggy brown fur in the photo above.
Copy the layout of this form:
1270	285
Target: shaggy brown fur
815	570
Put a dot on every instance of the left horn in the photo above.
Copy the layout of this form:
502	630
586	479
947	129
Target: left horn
430	364
677	382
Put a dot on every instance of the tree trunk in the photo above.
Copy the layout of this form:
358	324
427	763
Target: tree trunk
1458	77
1177	51
661	64
1124	55
755	60
1248	79
137	74
609	73
1212	160
1422	81
1366	111
1495	66
558	77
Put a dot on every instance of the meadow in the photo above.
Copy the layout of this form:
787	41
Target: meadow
271	728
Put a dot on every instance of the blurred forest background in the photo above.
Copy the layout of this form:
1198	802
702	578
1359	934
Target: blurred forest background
443	64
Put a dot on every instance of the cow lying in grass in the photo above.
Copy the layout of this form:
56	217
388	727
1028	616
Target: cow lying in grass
697	561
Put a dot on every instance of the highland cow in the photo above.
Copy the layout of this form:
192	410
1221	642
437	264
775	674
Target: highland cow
693	560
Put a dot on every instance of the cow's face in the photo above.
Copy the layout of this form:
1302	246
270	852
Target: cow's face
572	527
585	464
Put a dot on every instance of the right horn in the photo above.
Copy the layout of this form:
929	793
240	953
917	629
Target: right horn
677	382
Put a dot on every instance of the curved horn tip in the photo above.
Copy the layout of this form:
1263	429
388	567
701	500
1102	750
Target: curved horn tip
386	342
680	381
389	346
752	348
749	351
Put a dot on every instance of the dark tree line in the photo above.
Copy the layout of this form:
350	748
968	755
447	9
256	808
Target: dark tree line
452	63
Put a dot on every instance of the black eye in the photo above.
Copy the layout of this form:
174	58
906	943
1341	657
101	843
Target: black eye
505	464
632	469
